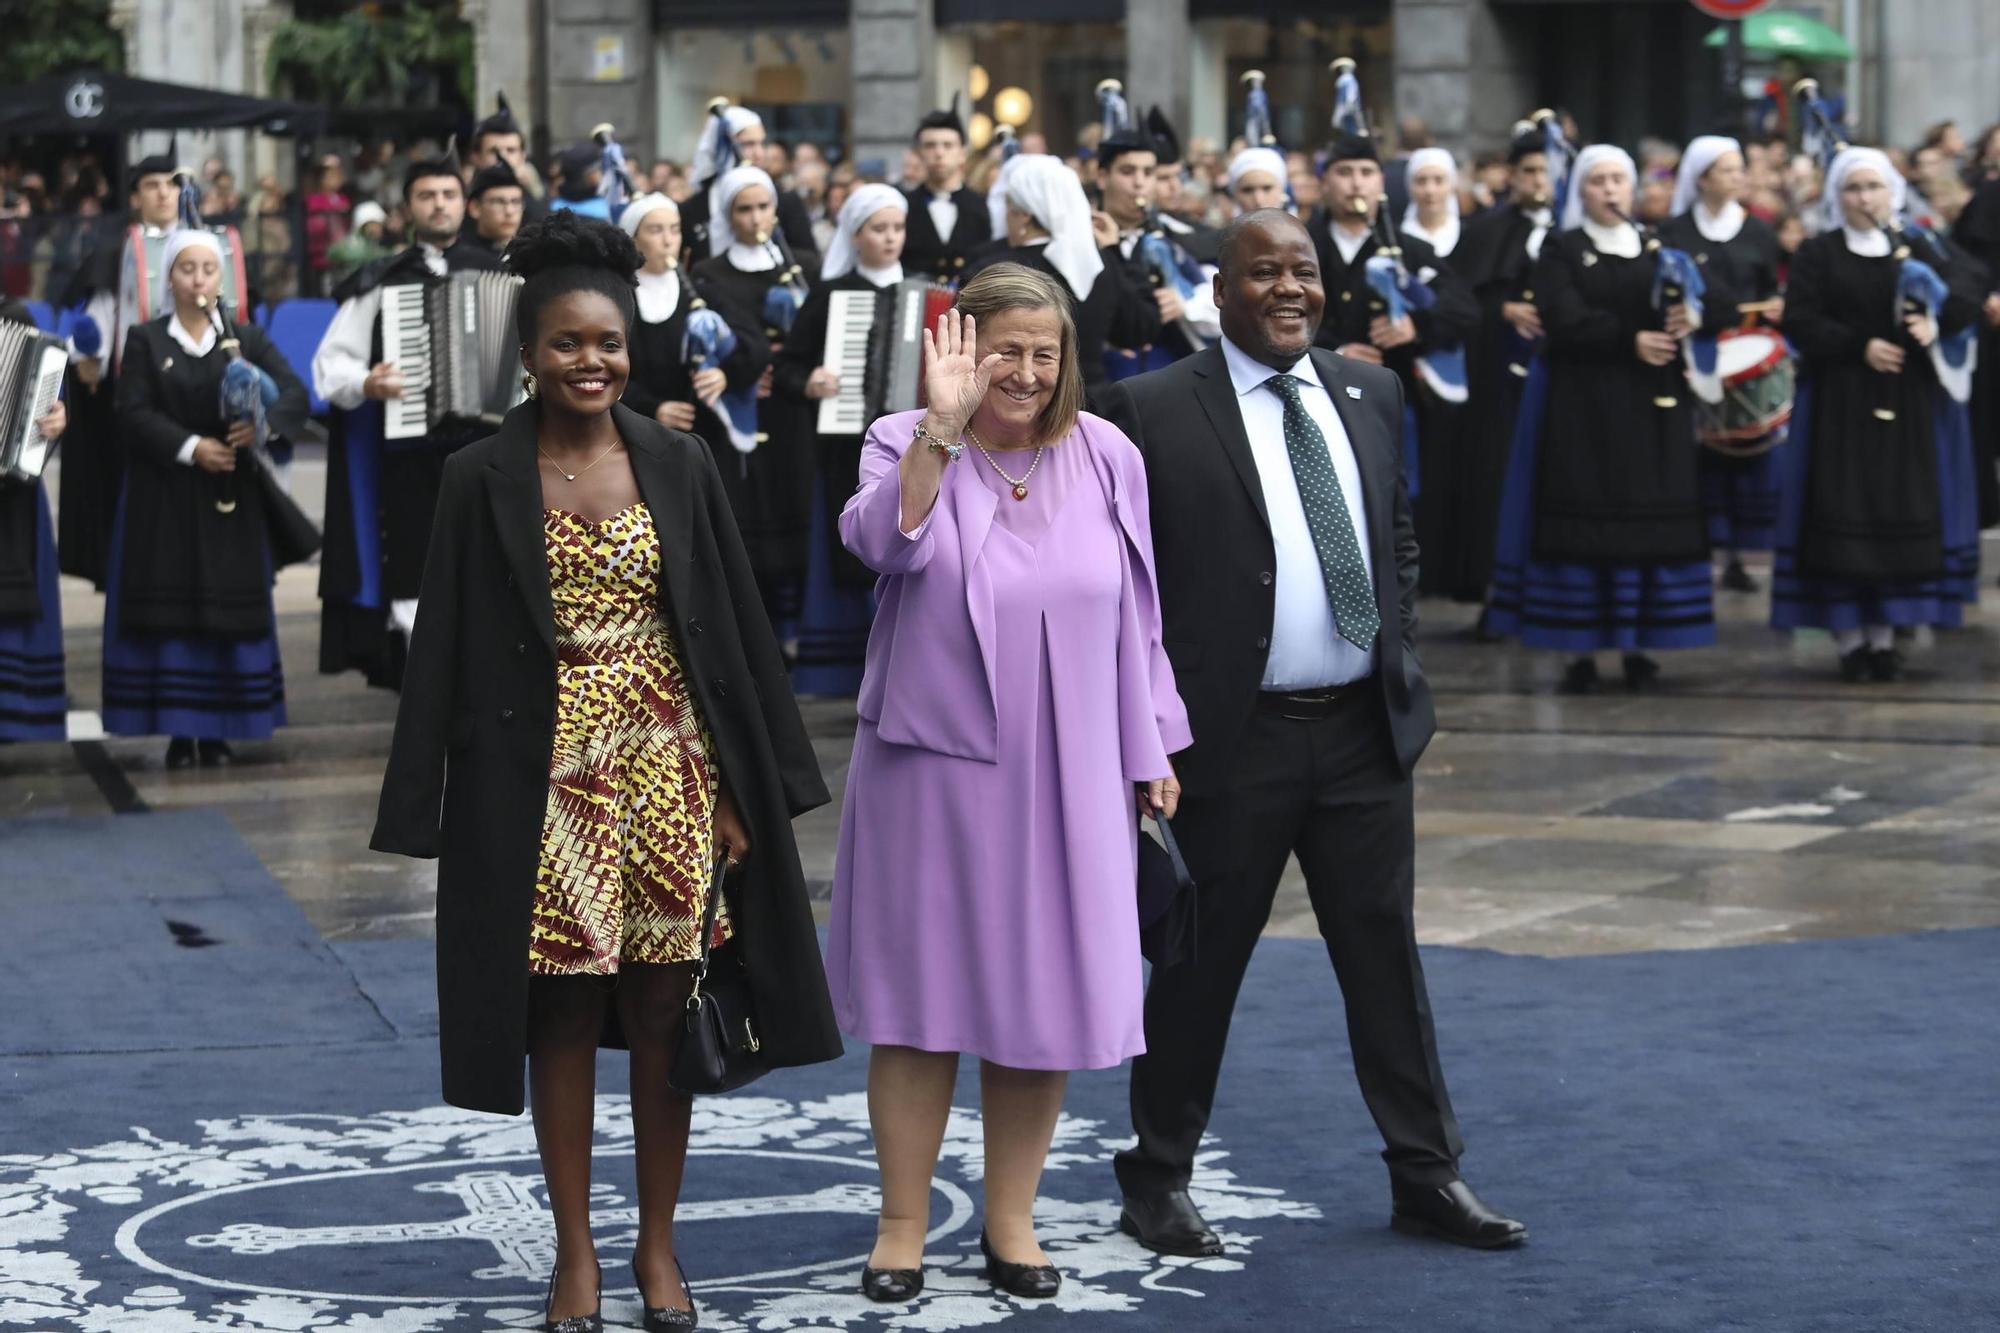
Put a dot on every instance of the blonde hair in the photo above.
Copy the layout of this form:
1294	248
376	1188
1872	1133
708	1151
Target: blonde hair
1003	287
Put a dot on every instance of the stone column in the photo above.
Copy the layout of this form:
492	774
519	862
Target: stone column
892	67
505	59
1159	60
598	63
1461	68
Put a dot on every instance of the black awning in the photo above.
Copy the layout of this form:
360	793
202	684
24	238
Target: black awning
93	102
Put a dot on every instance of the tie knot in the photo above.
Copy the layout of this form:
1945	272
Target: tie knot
1285	386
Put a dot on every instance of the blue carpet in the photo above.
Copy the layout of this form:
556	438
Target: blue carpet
1783	1138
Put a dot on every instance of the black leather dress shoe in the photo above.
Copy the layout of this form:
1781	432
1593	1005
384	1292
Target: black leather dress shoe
668	1318
1580	677
1454	1213
1031	1282
1169	1223
1641	672
1885	665
890	1285
180	752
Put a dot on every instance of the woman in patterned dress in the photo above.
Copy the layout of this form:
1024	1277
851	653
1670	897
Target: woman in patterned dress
649	770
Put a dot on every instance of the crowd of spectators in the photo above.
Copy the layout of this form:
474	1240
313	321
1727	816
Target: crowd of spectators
51	217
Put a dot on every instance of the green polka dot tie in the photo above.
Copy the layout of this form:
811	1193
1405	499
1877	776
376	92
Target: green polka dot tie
1340	563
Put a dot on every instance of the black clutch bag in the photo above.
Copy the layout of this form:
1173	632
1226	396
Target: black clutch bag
720	1050
1169	901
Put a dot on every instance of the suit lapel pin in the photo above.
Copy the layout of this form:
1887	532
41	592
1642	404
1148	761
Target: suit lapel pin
1353	392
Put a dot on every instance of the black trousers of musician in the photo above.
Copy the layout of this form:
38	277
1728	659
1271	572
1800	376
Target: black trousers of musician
1328	789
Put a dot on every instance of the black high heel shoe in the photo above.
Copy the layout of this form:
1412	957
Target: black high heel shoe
1031	1282
665	1318
576	1323
887	1286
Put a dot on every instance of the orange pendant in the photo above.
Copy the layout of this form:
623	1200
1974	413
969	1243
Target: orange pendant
1020	490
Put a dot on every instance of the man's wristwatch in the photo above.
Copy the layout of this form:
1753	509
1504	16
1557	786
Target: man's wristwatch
937	444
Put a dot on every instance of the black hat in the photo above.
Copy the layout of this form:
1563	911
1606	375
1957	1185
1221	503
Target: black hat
445	164
1132	139
1348	146
500	122
159	164
1166	143
1528	138
944	120
576	162
499	176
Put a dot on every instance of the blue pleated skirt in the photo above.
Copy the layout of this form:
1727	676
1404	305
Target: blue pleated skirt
1800	600
33	704
203	686
1578	608
834	622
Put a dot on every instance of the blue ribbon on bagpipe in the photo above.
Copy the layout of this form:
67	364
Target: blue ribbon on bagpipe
1955	356
1403	292
247	392
708	340
1676	268
782	304
1165	261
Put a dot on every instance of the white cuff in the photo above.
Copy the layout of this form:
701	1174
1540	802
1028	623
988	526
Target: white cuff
186	455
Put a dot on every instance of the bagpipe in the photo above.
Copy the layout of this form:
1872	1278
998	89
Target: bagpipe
617	185
1258	132
706	342
1398	293
1560	153
247	393
784	299
1677	281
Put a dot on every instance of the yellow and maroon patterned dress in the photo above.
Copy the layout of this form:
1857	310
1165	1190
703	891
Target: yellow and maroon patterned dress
629	836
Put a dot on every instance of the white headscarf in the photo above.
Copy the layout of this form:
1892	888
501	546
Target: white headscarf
1445	239
722	197
1833	214
708	149
635	212
1695	162
1046	189
862	205
1586	162
1268	160
996	195
187	238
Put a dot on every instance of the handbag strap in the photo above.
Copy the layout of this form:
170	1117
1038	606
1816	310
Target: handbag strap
708	913
1172	846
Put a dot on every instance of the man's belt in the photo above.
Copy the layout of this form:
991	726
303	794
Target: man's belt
1311	705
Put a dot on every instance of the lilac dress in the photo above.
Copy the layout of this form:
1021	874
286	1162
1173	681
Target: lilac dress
1016	688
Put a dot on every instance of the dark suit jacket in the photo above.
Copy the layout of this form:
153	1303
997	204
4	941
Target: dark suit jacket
945	258
1212	544
468	777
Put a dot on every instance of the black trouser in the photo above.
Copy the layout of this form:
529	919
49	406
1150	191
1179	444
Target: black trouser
1329	790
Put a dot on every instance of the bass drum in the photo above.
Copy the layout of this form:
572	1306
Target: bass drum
1757	383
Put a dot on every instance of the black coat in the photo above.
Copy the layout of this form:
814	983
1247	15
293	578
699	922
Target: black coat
660	374
1212	545
468	777
186	567
945	258
1735	272
793	221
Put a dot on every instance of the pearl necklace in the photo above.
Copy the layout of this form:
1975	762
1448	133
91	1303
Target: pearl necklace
1019	484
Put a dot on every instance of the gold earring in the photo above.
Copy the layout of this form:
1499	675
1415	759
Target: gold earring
528	385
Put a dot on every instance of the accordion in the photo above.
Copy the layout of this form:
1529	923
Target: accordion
875	340
31	375
454	341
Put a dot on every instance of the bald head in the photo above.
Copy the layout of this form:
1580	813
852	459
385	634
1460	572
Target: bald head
1267	287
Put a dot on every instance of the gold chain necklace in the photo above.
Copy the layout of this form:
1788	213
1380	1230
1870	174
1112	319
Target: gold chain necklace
1019	484
572	476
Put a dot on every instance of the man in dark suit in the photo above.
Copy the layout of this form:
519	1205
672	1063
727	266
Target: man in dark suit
1288	573
948	222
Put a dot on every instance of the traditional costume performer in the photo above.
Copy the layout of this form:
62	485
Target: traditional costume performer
724	145
948	222
1878	527
1601	542
379	496
33	703
1155	257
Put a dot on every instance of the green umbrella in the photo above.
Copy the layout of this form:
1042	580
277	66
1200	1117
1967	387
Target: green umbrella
1779	32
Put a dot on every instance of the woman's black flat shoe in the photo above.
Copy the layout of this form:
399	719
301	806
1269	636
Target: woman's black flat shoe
1031	1282
889	1285
665	1318
180	752
576	1323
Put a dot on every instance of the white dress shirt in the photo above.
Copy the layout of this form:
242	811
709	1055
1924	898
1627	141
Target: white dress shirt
1307	651
944	213
1543	219
341	363
196	347
1349	242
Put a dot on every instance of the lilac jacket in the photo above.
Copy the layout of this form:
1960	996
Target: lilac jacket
929	678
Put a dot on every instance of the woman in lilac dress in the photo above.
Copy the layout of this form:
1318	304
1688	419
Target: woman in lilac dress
1016	692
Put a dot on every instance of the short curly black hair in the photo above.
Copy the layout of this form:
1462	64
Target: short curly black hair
565	252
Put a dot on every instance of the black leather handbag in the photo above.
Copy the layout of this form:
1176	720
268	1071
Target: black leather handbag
720	1050
1169	900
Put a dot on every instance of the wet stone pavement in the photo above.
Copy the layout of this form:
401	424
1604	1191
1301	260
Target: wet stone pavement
1753	798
